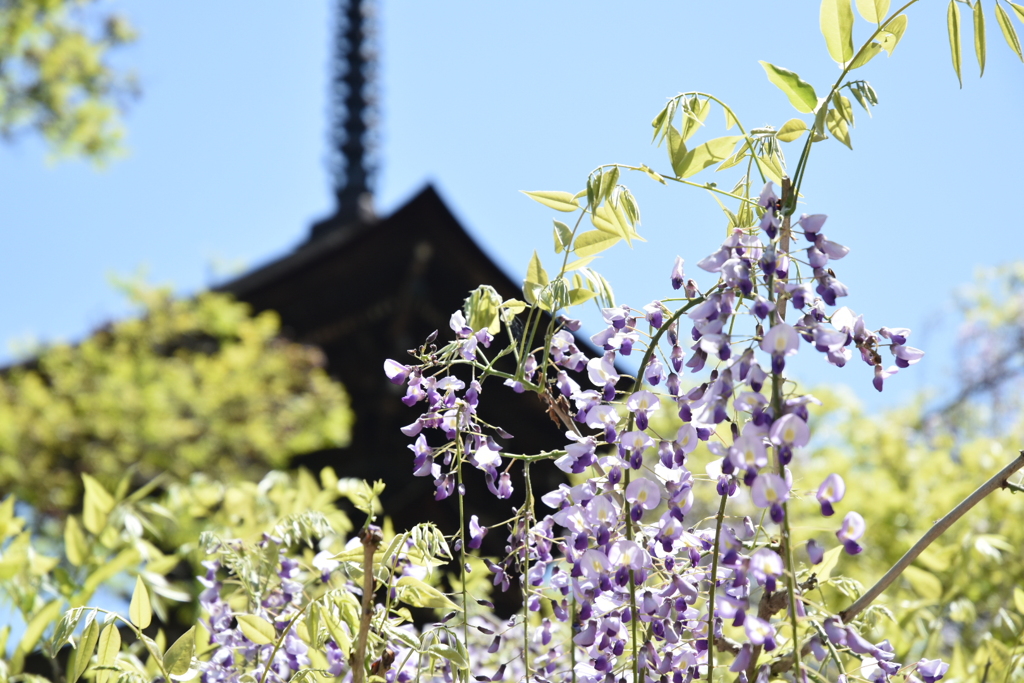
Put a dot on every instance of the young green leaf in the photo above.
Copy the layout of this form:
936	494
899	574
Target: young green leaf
1019	9
580	295
979	36
890	36
824	569
873	10
659	123
579	263
838	127
1009	33
96	505
730	120
449	653
83	653
76	546
178	657
694	113
953	25
106	653
836	20
559	201
37	624
1018	599
866	54
924	583
563	236
653	174
594	242
66	626
708	154
791	130
676	149
609	179
843	106
140	611
605	220
535	271
800	93
419	594
257	629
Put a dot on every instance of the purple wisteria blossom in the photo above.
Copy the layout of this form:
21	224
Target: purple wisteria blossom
831	491
851	531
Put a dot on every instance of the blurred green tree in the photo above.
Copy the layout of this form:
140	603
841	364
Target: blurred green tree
191	385
56	77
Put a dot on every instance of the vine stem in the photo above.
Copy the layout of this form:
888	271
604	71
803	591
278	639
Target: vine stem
998	481
714	581
371	538
462	551
526	570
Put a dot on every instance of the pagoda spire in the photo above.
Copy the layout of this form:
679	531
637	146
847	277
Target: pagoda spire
352	116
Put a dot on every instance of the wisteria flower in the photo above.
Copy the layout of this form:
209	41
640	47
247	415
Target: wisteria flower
852	529
769	490
780	341
642	403
931	670
831	491
677	273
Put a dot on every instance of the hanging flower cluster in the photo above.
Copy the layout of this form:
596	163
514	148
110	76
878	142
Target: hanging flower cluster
643	588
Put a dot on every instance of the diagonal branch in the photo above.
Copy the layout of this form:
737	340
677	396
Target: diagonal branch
1000	480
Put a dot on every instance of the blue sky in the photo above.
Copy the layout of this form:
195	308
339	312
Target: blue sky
227	148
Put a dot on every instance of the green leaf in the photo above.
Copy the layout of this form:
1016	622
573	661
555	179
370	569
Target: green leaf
890	36
659	122
257	629
708	154
1018	599
559	201
730	120
676	150
140	611
96	506
83	652
653	174
838	127
579	263
843	106
106	653
126	559
481	308
609	179
873	10
580	295
419	594
953	25
836	19
791	130
866	54
1019	9
924	583
65	627
76	545
694	113
770	168
178	658
979	36
1009	33
828	562
563	236
535	272
449	653
800	93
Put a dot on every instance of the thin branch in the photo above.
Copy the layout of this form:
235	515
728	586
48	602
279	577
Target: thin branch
1000	480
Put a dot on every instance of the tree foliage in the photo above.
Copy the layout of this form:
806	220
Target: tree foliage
56	76
191	385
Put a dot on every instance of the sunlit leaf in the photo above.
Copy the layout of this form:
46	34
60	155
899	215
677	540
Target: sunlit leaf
1009	32
178	657
96	505
1018	599
953	26
609	179
693	116
450	653
76	546
890	36
140	611
980	48
836	20
419	594
769	167
257	629
653	174
866	54
791	130
605	220
823	570
580	295
800	93
66	626
535	272
1019	9
843	106
676	150
37	624
659	123
710	153
563	236
838	127
559	201
578	263
873	10
106	653
83	652
730	120
594	242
